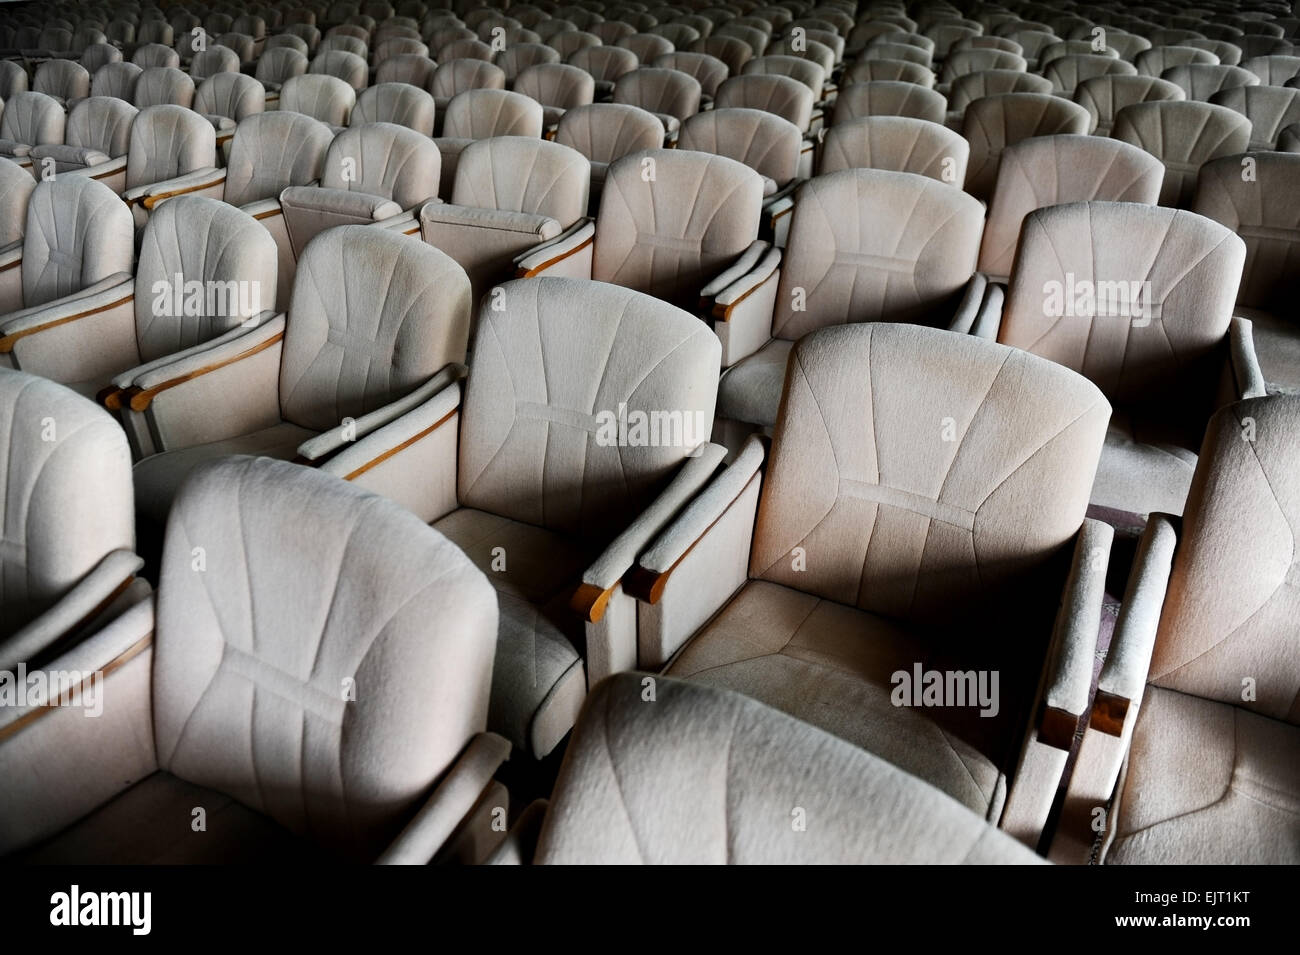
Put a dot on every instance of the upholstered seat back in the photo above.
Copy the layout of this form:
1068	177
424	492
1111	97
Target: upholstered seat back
859	507
151	56
659	91
162	86
67	493
970	87
397	103
273	150
866	71
77	234
965	62
33	119
605	132
117	80
457	76
761	140
670	220
782	95
481	113
278	64
16	185
731	50
232	95
1067	72
870	245
807	72
1265	212
1270	109
899	143
407	68
168	141
517	58
1184	136
329	662
215	59
1104	96
1136	297
547	429
1155	61
326	98
993	123
556	84
889	98
63	79
523	174
381	159
348	67
101	123
1273	70
709	71
605	63
1051	170
1227	631
373	315
1201	81
208	242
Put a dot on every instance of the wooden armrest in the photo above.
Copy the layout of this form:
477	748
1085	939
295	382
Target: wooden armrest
140	398
380	459
590	602
7	342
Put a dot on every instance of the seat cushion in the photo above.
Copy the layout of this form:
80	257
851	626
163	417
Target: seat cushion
538	680
750	391
1208	783
1277	345
153	823
1144	466
158	477
831	666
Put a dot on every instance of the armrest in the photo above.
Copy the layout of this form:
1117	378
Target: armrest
104	294
985	321
104	171
450	802
411	460
1124	674
1119	694
784	192
1246	373
200	180
1063	689
744	264
667	551
438	216
592	595
74	611
1069	671
520	844
11	256
968	310
742	309
70	157
327	442
552	255
196	362
85	761
262	208
341	202
308	210
112	397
